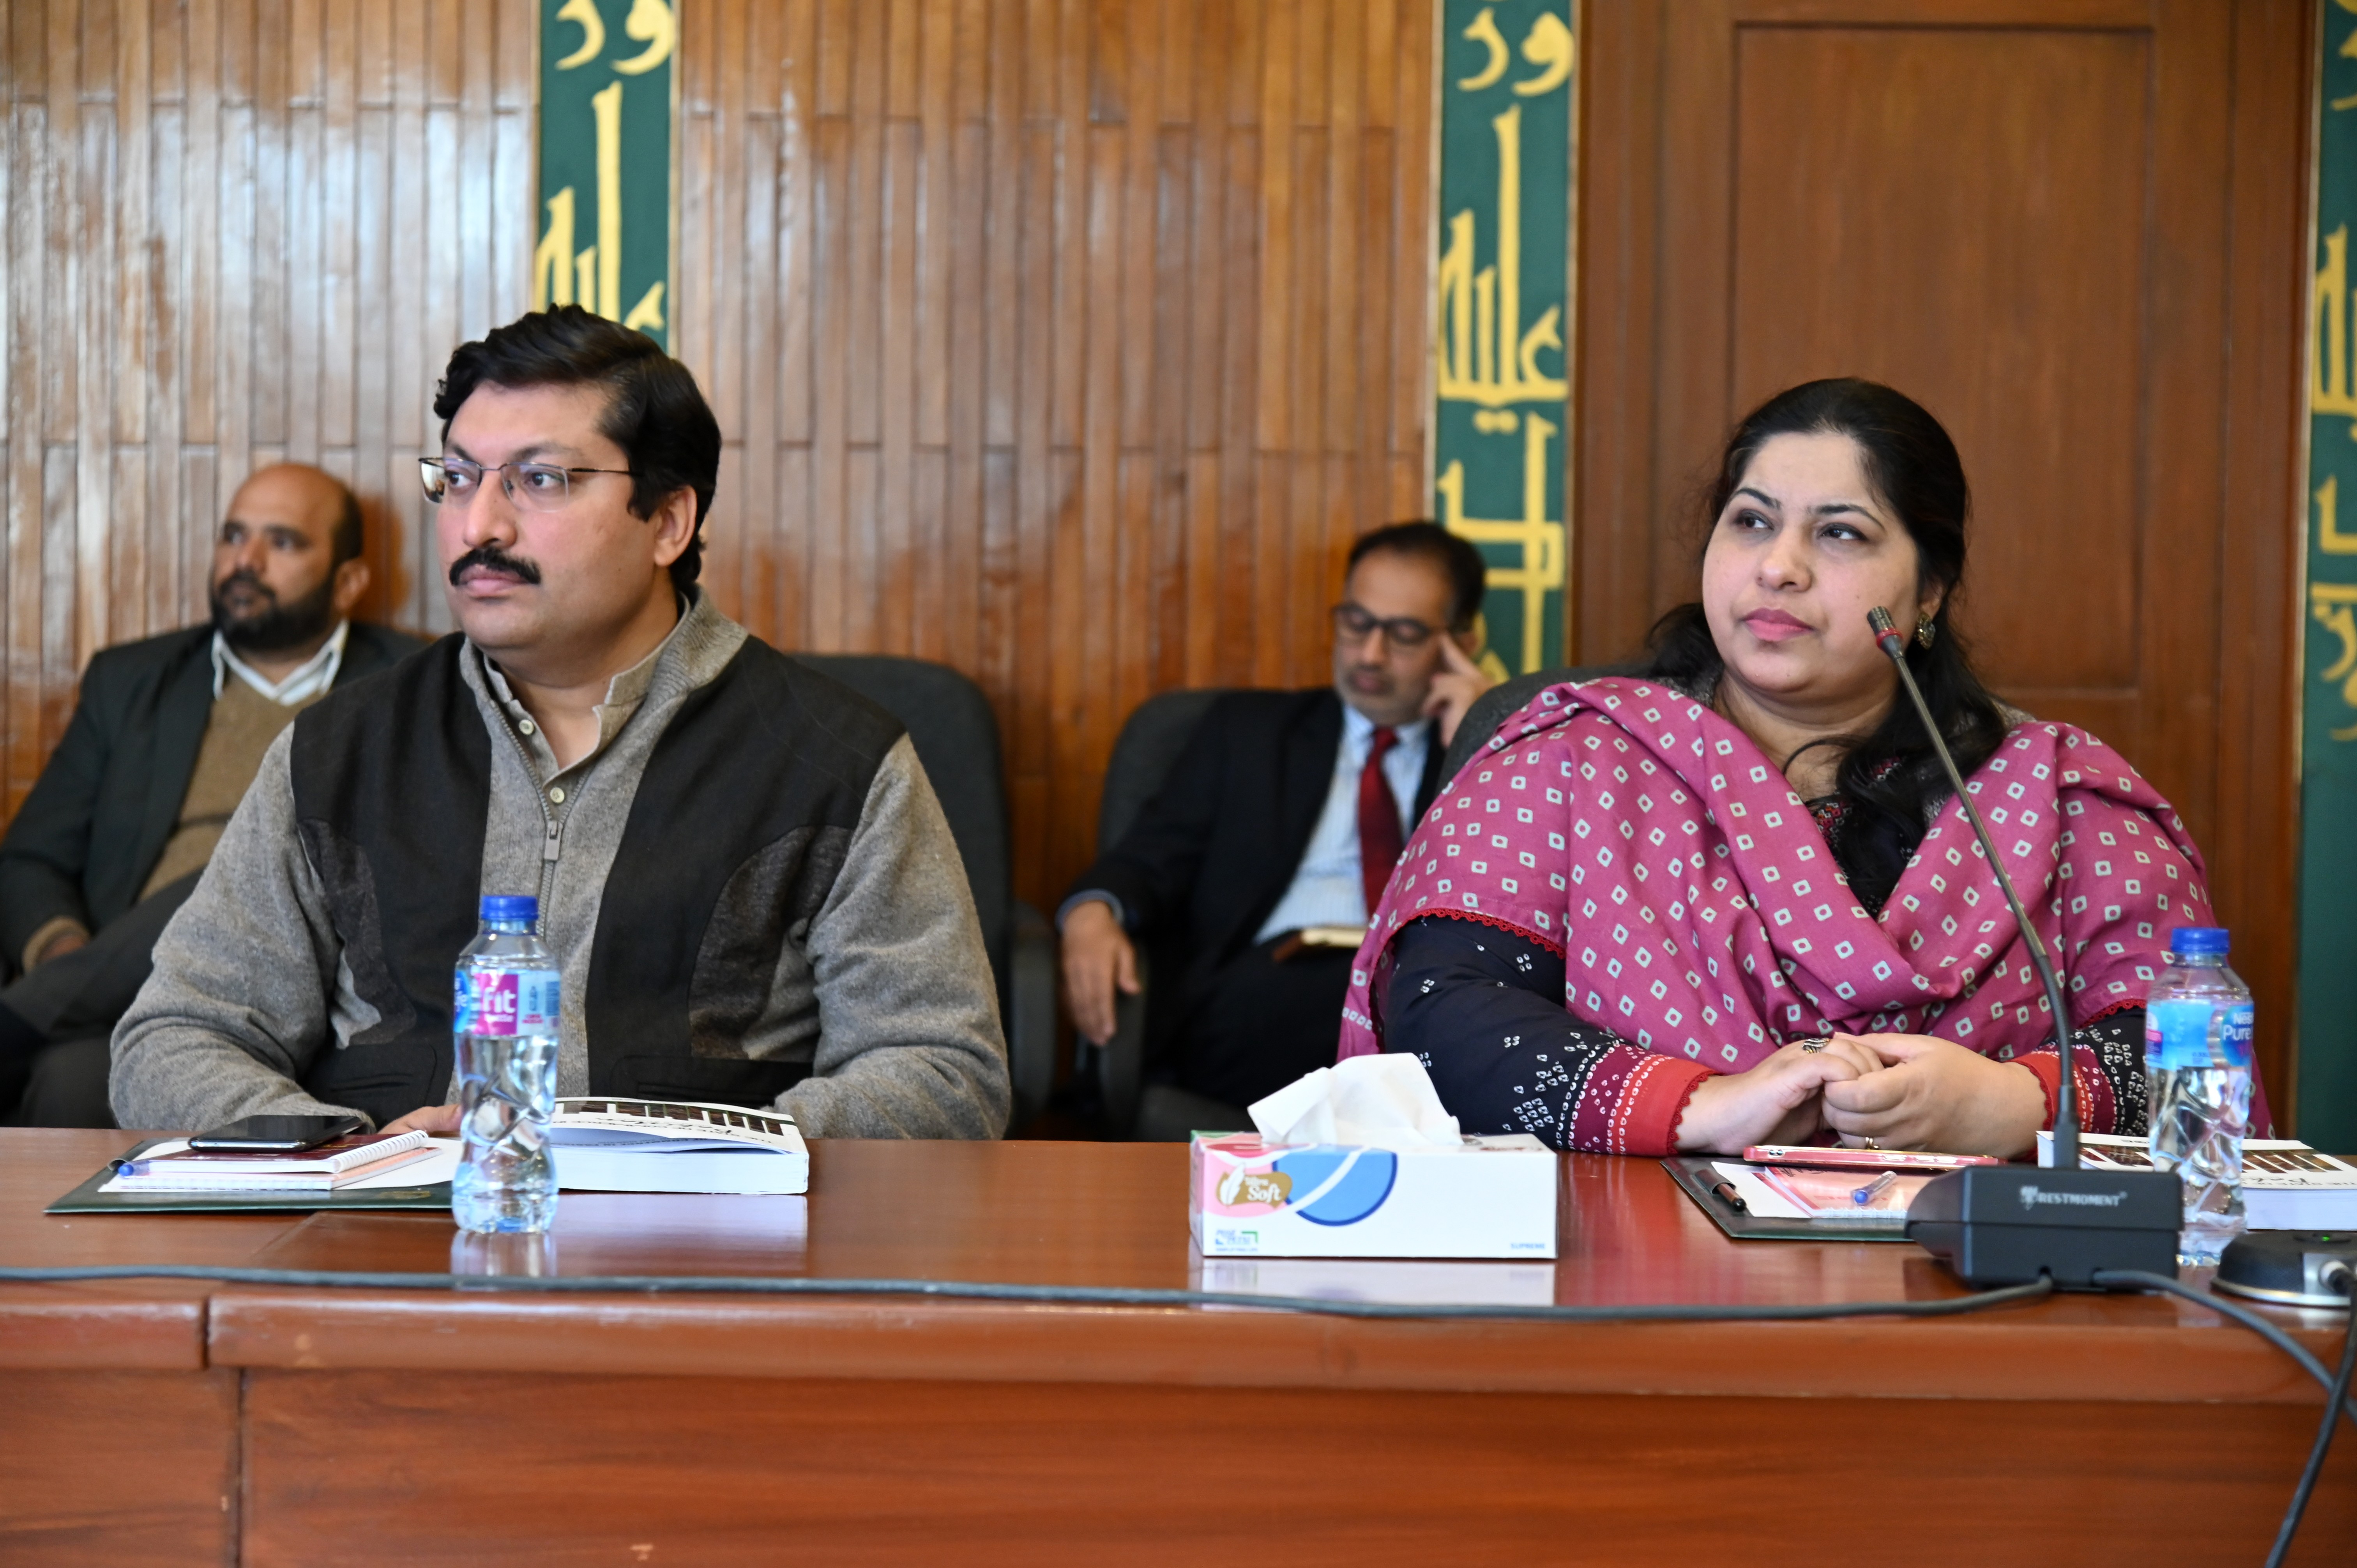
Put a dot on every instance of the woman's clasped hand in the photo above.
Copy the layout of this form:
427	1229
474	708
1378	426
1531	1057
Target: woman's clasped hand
1901	1091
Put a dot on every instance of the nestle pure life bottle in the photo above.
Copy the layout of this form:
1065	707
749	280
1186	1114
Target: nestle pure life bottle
504	1029
2197	1063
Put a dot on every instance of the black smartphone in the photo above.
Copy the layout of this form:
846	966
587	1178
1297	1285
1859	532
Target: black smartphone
275	1134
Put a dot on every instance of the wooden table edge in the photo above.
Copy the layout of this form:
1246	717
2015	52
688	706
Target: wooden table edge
988	1342
54	1327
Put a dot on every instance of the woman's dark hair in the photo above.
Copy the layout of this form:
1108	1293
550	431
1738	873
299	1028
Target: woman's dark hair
654	412
1890	779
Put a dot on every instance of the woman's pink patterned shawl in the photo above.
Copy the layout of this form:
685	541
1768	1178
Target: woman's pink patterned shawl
1701	914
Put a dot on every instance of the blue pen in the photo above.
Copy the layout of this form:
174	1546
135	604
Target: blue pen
1865	1194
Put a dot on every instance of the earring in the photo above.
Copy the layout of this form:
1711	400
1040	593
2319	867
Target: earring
1924	631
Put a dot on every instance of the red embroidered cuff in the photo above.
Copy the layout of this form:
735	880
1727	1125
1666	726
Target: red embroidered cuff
1653	1102
2047	1068
2096	1112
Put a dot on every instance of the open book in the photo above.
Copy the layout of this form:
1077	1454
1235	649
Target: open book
2286	1186
605	1144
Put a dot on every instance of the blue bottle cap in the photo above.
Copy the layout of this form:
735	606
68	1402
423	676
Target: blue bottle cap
510	907
2198	941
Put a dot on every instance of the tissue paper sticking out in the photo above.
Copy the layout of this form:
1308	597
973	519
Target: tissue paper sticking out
1385	1101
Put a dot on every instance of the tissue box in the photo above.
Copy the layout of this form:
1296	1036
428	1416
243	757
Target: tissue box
1484	1197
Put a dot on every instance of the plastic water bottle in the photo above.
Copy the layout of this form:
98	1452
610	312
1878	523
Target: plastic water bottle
504	1026
2197	1063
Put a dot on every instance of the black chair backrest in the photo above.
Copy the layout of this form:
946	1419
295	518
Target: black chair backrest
1143	755
1501	702
951	723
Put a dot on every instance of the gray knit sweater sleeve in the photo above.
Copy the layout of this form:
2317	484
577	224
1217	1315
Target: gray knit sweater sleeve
909	1044
246	976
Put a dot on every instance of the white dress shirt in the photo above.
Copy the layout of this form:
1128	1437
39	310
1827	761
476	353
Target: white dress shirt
306	680
1328	889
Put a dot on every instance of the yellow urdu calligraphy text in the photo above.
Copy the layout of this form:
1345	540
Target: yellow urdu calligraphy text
1540	539
2334	605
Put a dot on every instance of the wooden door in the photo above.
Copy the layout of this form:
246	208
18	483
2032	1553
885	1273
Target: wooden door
2073	232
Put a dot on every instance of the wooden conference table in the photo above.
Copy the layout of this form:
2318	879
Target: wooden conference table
159	1422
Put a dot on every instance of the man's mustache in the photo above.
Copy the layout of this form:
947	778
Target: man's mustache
491	558
247	576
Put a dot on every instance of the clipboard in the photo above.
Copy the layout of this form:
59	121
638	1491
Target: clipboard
87	1199
1695	1178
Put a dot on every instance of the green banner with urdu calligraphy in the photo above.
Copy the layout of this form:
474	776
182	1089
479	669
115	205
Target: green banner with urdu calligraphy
2328	912
607	216
1502	323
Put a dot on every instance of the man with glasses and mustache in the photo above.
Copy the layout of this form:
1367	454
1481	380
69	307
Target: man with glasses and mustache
166	738
750	890
1251	872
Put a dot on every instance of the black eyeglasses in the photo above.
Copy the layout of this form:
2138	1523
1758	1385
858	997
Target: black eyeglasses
536	486
1354	622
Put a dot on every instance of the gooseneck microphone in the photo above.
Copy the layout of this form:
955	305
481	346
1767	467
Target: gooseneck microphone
2011	1223
2066	1091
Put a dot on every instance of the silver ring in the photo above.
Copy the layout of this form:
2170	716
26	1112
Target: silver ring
1820	1043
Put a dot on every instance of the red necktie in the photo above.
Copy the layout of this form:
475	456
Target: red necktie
1380	839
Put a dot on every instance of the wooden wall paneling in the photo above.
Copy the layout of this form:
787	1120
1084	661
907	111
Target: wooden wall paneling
1067	340
22	242
2255	842
221	252
130	566
2005	190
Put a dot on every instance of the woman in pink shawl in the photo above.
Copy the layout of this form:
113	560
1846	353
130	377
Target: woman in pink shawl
1730	899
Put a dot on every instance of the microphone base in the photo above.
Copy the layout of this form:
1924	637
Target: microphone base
2007	1225
2288	1268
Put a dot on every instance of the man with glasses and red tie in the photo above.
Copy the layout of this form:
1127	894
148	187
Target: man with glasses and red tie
1256	864
748	883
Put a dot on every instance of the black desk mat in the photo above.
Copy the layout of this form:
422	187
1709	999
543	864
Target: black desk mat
87	1199
1695	1176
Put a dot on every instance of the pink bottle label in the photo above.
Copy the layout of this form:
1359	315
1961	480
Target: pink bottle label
507	1002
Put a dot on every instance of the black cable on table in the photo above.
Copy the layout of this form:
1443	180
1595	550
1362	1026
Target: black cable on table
2136	1279
1057	1295
2335	1397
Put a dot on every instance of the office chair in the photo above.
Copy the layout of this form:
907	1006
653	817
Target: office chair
955	733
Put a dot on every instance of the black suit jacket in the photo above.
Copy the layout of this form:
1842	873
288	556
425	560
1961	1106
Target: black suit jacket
87	837
1213	850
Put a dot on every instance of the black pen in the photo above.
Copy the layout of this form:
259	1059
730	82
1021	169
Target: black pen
1726	1189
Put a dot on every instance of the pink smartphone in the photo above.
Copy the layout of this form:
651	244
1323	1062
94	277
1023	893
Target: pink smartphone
1833	1158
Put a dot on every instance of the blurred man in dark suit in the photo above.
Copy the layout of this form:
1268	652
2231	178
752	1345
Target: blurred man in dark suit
1257	864
167	735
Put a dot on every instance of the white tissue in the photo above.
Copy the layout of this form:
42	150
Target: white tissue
1382	1101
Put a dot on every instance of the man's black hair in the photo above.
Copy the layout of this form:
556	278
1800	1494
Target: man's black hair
654	412
347	540
1429	543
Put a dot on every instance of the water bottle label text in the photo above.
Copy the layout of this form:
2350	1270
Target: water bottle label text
503	1003
2179	1035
